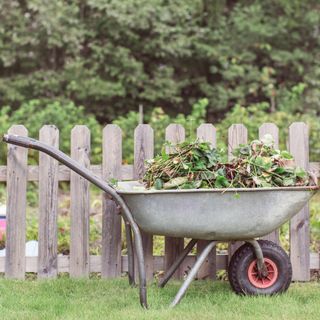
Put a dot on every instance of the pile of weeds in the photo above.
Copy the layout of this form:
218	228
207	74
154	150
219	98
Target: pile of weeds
196	165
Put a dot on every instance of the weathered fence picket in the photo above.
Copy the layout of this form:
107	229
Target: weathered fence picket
111	220
175	133
16	207
79	204
111	264
207	133
271	128
48	206
299	224
237	134
143	150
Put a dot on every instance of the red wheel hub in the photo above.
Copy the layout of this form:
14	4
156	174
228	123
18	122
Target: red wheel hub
263	281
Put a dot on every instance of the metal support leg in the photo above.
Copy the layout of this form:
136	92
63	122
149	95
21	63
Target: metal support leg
177	263
259	254
193	272
130	254
141	266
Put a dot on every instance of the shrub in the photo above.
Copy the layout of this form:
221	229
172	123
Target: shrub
252	117
33	115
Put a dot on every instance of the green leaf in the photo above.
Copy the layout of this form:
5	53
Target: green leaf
197	183
265	184
187	185
287	182
207	175
114	182
221	172
278	181
299	172
175	182
204	185
221	182
200	165
280	170
263	162
245	150
164	155
286	155
191	185
158	184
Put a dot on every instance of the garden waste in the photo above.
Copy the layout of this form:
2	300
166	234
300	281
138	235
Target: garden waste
196	165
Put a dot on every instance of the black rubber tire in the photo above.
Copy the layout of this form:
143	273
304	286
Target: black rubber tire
242	258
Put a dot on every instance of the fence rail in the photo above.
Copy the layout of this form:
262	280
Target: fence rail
111	264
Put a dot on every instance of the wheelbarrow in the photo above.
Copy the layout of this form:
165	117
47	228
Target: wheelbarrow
257	267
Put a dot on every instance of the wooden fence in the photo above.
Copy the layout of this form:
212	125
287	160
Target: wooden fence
111	264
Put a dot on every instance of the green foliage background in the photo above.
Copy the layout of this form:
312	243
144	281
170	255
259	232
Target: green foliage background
66	115
94	62
252	117
34	114
111	55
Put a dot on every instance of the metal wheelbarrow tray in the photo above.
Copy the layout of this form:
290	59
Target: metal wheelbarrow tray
214	214
257	267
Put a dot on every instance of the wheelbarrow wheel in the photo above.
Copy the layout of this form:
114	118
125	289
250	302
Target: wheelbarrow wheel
243	271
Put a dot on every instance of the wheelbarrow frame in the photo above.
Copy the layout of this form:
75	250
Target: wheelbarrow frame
130	224
134	244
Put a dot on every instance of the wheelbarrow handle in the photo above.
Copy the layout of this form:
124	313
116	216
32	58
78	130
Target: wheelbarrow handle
55	153
27	142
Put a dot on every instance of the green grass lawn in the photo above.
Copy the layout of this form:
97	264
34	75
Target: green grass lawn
114	299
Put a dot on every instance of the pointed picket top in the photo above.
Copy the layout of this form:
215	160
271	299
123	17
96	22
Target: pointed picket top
79	129
112	152
207	132
79	204
17	174
175	133
143	148
300	223
81	144
143	135
299	143
48	127
48	205
271	128
50	133
111	220
18	129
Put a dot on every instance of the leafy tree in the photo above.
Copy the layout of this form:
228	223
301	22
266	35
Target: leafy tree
34	115
112	55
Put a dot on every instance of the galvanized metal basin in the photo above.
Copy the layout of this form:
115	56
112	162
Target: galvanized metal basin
214	214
